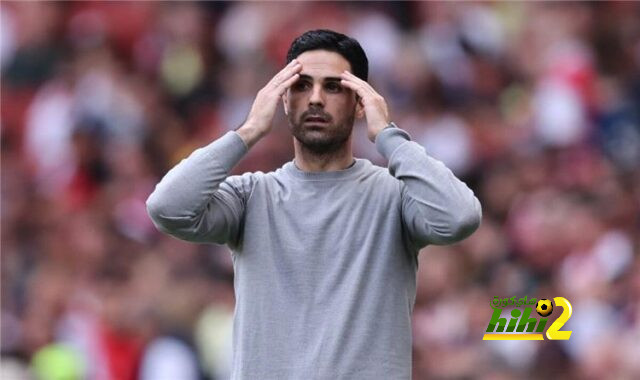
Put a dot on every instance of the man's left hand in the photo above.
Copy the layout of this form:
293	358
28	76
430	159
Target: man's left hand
375	107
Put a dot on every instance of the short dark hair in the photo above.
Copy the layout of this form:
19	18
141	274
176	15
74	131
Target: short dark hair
324	39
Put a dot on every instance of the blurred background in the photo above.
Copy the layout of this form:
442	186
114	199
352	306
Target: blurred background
535	105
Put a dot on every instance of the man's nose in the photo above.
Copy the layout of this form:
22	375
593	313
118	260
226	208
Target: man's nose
316	98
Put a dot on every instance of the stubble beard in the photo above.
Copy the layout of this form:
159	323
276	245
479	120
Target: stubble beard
323	141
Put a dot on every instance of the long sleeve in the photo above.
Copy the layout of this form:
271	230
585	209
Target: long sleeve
196	200
437	208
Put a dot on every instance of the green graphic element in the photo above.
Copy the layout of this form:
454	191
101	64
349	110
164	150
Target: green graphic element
504	302
520	320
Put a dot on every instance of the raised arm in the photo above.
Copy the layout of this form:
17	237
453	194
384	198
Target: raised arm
192	203
196	200
437	208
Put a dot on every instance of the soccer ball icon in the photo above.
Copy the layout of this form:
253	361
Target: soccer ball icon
544	307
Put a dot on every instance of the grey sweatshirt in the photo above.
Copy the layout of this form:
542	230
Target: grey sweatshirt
325	262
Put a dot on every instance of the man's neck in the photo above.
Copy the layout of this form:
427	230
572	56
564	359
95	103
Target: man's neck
309	161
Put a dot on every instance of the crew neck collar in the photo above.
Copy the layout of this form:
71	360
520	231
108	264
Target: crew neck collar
347	173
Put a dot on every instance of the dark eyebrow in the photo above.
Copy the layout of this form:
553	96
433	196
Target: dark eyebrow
327	79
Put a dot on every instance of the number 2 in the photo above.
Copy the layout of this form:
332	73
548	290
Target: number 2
553	332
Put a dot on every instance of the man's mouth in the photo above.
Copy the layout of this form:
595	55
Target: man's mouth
316	119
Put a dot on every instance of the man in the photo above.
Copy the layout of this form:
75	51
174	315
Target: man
324	248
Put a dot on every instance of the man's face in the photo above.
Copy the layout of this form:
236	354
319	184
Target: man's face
320	110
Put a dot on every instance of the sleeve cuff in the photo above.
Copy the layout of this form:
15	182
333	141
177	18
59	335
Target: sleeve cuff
389	139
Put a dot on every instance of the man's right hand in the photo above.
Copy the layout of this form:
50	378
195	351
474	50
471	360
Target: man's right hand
260	119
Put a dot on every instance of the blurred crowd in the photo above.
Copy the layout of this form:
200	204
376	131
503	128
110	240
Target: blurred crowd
535	105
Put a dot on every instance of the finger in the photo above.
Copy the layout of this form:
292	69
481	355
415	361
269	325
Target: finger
291	66
351	85
346	75
350	76
287	83
358	88
286	73
361	94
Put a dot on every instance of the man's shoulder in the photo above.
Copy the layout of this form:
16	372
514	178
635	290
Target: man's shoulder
373	167
257	175
376	172
248	180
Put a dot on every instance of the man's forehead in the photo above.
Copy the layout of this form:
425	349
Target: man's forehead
321	64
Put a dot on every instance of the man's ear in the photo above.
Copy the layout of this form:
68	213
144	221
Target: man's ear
359	108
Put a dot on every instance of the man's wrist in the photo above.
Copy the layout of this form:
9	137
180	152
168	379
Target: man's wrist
390	138
377	130
390	125
249	134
